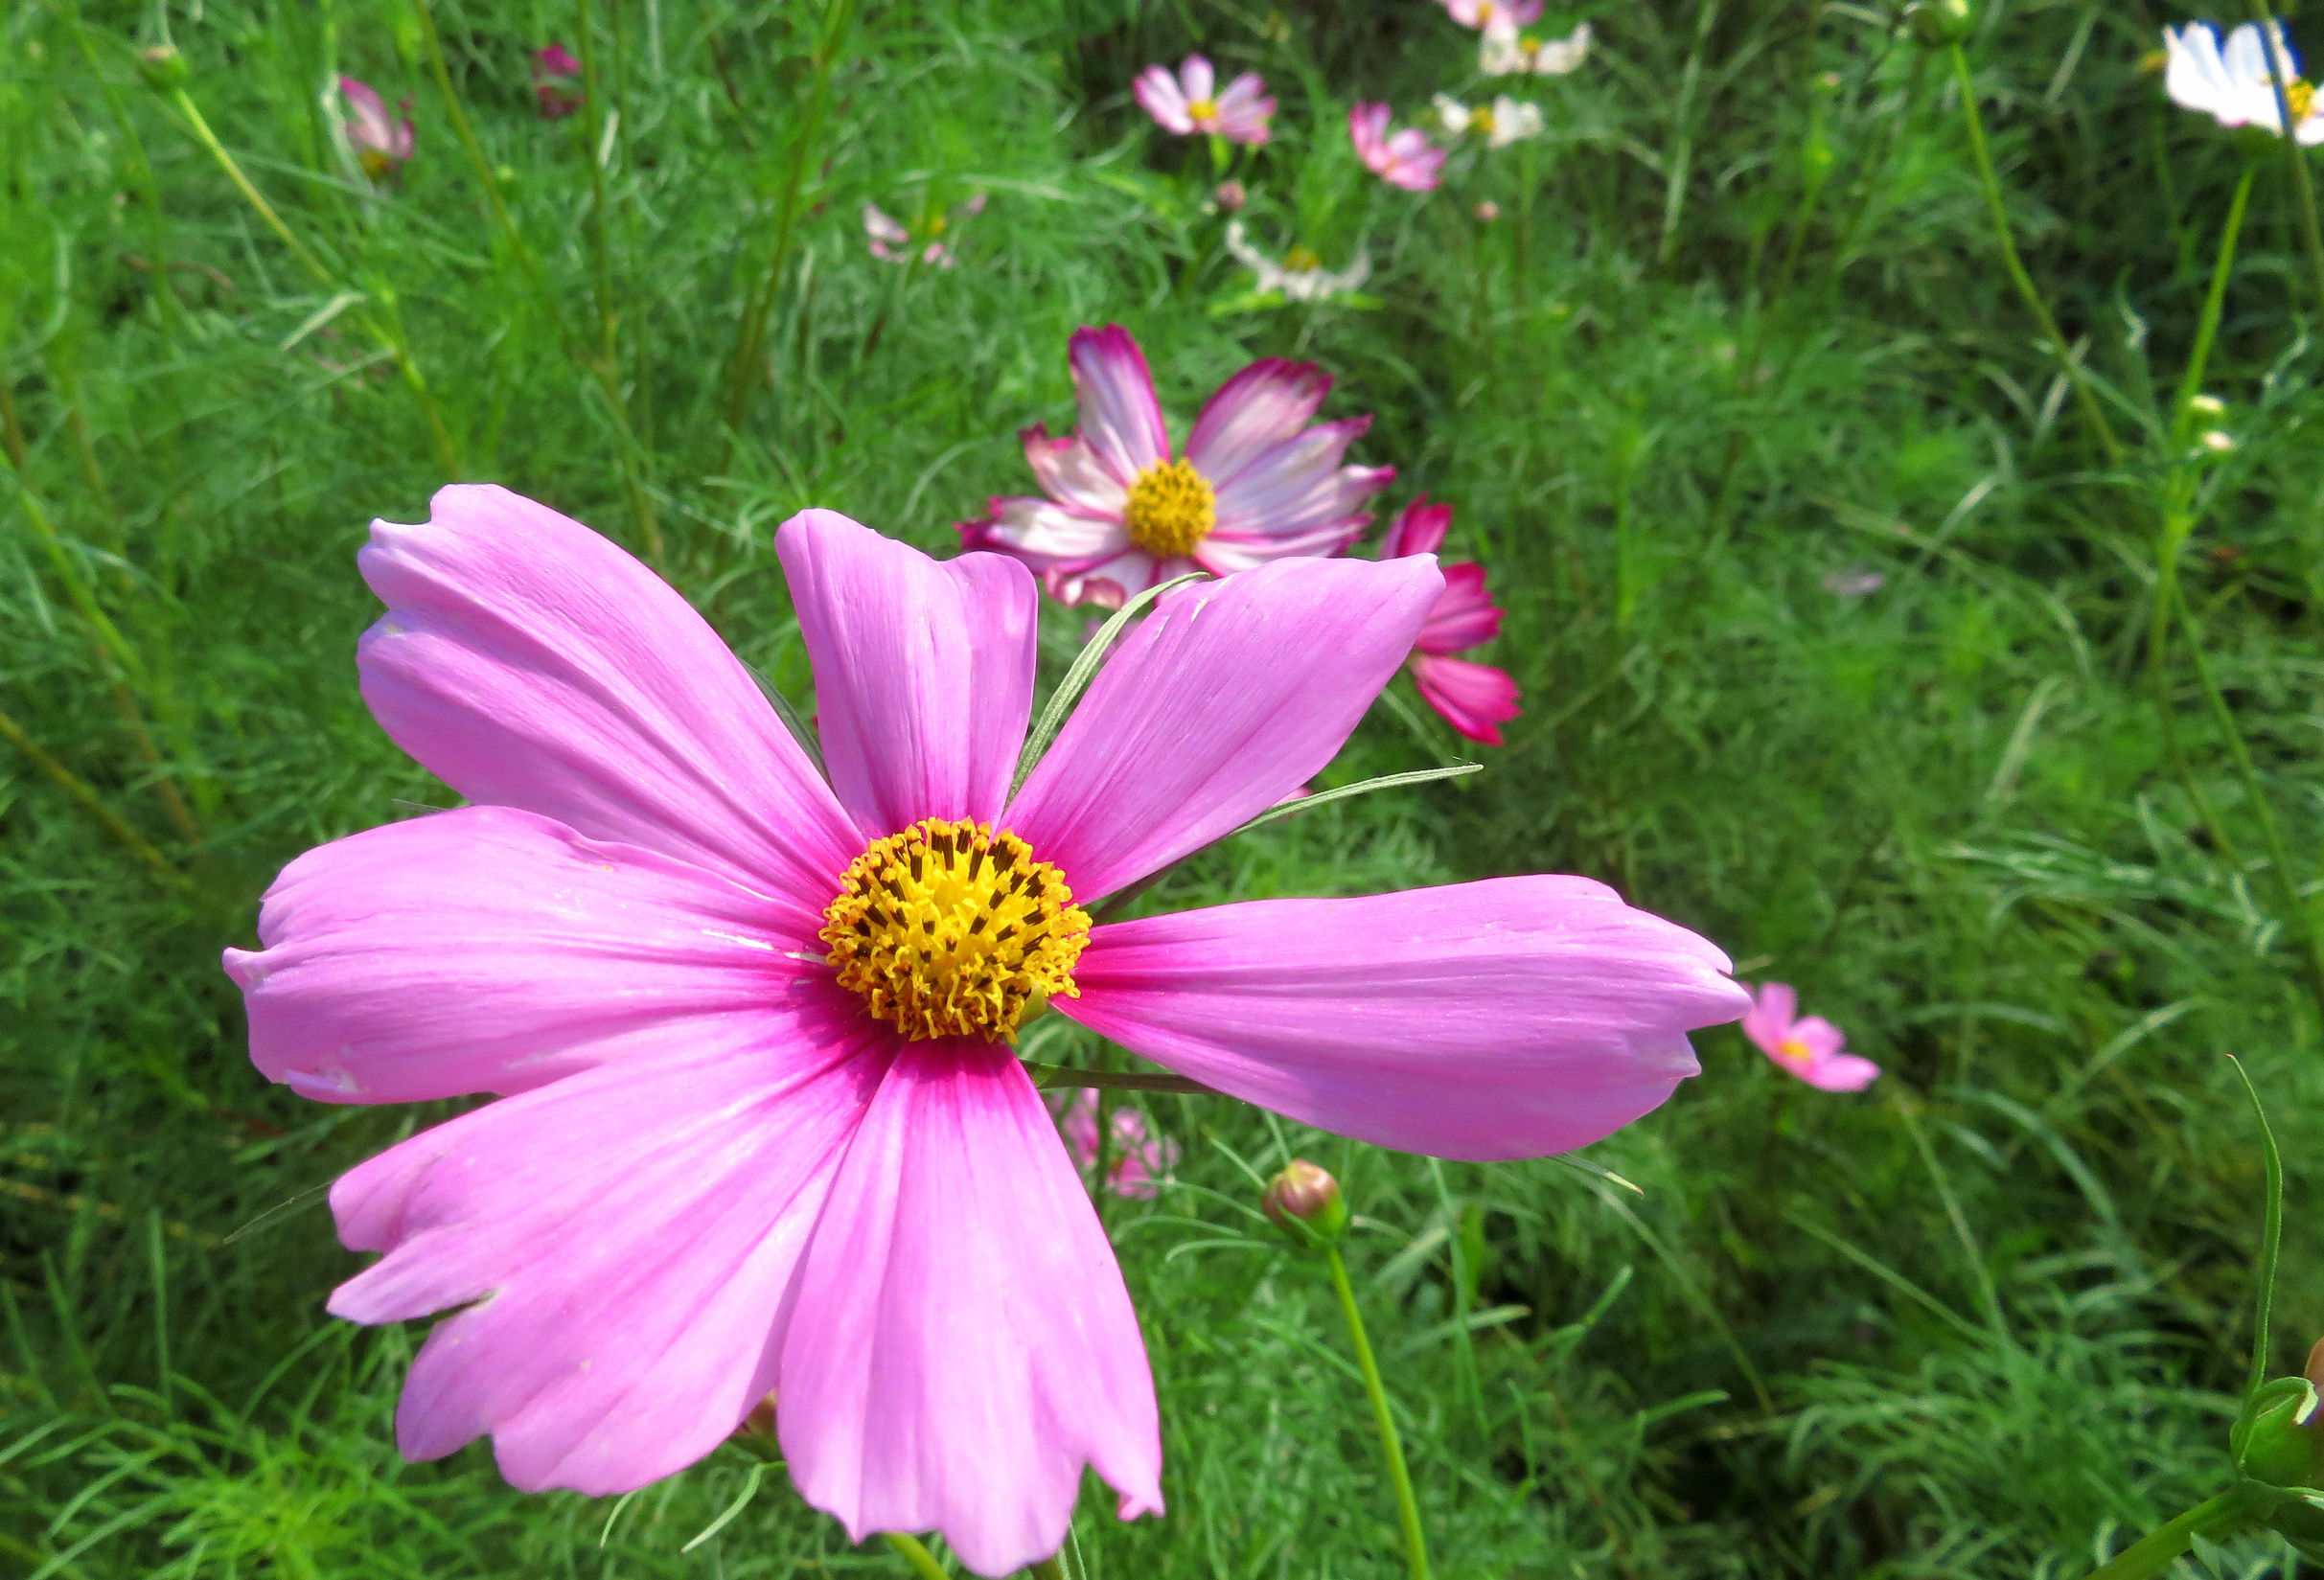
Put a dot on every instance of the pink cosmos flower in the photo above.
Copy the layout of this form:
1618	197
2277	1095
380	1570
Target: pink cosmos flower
1475	699
382	144
759	1129
1487	13
556	82
1810	1048
1257	482
892	242
1405	159
1186	103
1139	1160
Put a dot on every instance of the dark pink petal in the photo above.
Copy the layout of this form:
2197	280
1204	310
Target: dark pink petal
1464	617
1221	702
1769	1021
1070	473
622	1241
1121	421
1419	528
1474	698
490	949
1507	1019
528	662
961	1344
1261	408
923	669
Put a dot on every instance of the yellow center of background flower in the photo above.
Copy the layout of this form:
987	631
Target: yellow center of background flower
1301	261
2300	96
1171	508
948	929
1203	110
1480	119
1795	1050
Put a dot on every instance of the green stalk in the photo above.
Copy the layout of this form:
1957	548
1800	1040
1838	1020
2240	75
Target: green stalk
922	1561
2271	1234
1682	137
2160	1549
2088	399
2207	328
1408	1508
2303	188
73	785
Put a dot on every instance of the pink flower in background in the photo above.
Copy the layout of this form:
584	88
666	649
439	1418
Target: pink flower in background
892	242
1494	13
759	1129
1257	482
381	143
1405	159
1139	1160
1855	582
556	82
1475	699
1504	51
1810	1048
1188	102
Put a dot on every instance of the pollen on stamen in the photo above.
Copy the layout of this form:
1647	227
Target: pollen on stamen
934	952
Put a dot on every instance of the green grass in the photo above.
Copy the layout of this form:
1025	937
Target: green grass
1696	367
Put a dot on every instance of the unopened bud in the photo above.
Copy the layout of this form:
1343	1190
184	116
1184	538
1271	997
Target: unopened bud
2282	1445
1939	23
1304	1202
2217	443
2208	406
163	68
756	1433
1230	196
1487	211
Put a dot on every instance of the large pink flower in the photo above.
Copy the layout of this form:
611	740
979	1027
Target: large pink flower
1257	482
382	142
1808	1048
759	1131
1405	159
1190	103
1475	699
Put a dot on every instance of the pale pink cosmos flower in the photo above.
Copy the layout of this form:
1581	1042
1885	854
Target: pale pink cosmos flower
1493	13
1257	482
556	82
2233	85
757	1130
1504	51
1405	159
1810	1048
894	243
1475	699
381	141
1139	1161
1190	103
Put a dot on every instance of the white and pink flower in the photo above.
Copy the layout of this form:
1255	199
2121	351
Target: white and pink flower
1139	1160
1405	158
891	242
1191	101
1808	1048
382	142
1475	699
1257	482
1494	13
1505	51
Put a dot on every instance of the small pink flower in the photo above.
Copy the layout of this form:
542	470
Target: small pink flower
1855	582
1810	1048
1475	699
1139	1160
381	143
556	82
1405	159
1257	482
892	242
1186	104
1487	13
757	1127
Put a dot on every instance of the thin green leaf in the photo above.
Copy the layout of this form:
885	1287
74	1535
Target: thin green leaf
1078	678
2271	1230
740	1503
1385	781
793	723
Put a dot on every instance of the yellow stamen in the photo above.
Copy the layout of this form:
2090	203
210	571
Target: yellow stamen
1794	1050
1299	261
948	929
2300	97
1480	120
1202	109
935	226
1171	508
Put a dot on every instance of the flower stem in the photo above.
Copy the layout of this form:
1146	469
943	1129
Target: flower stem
2310	239
1407	1509
2085	397
922	1561
2161	1548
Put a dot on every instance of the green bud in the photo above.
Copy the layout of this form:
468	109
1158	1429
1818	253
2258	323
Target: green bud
1939	23
163	68
1304	1202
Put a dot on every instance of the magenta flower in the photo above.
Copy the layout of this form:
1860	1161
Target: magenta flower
1139	1160
1810	1048
1488	14
1257	482
1475	699
382	144
1405	159
760	1129
556	82
1186	104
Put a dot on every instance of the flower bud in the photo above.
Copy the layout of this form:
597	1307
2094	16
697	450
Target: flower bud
1939	23
2209	405
1487	211
1230	196
163	68
1304	1202
2217	443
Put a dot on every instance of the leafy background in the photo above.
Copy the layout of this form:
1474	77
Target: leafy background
1739	327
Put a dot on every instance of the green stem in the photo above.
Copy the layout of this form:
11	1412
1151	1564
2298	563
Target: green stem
922	1561
2207	328
1408	1508
2271	1234
2085	397
2160	1549
1682	139
2310	238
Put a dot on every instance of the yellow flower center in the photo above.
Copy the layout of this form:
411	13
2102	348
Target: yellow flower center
1529	47
1485	11
935	226
2300	97
1203	110
1301	261
1171	508
1795	1050
1480	119
948	929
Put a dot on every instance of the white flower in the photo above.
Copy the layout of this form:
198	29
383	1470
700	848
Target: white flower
2233	85
1504	122
1301	276
1506	50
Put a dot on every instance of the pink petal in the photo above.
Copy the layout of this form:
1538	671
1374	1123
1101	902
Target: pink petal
371	128
528	662
1419	528
491	950
1196	78
961	1343
1300	482
1120	420
1070	473
1261	408
1080	558
1367	127
923	669
881	228
1158	93
1769	1021
1507	1018
1466	616
1819	1037
1841	1072
1222	700
1244	109
622	1241
1474	698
